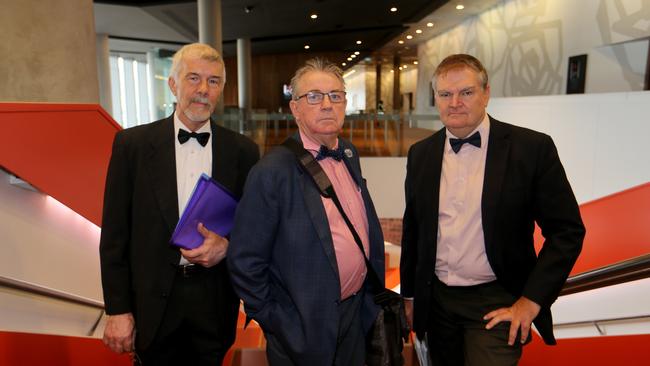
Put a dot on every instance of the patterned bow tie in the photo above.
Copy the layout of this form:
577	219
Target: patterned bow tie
202	137
456	144
324	152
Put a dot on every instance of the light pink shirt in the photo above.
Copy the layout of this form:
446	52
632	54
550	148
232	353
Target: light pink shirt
460	258
351	266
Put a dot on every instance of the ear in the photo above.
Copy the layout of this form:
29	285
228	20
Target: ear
487	94
295	110
172	84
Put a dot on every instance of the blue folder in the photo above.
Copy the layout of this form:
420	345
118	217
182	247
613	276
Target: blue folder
210	203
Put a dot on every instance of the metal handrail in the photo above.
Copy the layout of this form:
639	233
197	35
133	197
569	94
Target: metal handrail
49	292
598	322
625	271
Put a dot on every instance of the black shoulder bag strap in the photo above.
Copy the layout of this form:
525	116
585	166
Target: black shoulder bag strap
311	166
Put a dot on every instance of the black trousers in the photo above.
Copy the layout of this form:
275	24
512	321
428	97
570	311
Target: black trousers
188	333
456	330
350	343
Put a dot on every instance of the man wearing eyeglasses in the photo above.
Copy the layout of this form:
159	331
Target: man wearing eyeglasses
293	259
474	192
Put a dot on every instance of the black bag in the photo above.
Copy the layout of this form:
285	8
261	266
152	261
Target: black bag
390	330
385	341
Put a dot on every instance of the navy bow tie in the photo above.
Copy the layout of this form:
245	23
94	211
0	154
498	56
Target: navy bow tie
324	152
202	137
456	144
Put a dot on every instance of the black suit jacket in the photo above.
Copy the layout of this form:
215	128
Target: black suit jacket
140	214
282	260
524	184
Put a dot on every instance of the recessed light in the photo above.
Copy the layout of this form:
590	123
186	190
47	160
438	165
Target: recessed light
353	56
393	9
306	46
409	37
460	7
343	64
356	52
429	24
418	31
349	58
400	42
358	42
415	62
400	67
314	16
392	70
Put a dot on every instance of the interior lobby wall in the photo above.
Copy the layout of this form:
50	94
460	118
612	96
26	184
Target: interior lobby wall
48	51
525	46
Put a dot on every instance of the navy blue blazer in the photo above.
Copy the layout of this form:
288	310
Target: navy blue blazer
282	261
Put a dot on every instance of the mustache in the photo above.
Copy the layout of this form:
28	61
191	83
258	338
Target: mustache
202	100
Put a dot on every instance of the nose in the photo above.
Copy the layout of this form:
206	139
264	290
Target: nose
203	87
455	100
326	103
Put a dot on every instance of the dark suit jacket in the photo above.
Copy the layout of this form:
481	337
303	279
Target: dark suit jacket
524	183
282	261
140	214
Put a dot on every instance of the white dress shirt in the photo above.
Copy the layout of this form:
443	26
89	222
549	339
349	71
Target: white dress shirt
461	259
192	160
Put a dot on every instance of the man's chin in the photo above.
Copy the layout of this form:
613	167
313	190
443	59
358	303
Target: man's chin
197	117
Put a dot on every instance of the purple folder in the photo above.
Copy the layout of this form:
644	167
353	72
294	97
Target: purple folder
210	203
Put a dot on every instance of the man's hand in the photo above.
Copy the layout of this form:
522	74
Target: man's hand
210	252
119	333
520	315
408	309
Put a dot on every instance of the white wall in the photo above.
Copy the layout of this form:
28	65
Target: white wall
525	46
355	86
45	243
602	140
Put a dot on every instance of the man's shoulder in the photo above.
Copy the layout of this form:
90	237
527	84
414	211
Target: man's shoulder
141	131
517	133
235	137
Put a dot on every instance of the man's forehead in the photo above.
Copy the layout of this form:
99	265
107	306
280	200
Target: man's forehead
194	65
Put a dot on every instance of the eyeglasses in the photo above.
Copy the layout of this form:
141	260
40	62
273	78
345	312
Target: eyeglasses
316	97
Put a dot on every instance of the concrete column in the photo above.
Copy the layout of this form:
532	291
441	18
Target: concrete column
378	86
397	96
104	73
244	84
153	91
210	23
210	30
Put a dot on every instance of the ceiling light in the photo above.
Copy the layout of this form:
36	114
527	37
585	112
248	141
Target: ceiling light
393	9
353	56
418	31
343	64
400	67
314	16
415	62
356	52
358	42
306	46
404	66
429	24
349	58
409	37
392	70
460	7
400	42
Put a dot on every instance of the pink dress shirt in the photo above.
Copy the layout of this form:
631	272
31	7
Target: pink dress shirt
351	265
461	259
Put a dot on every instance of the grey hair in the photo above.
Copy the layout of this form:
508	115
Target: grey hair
459	61
315	64
196	50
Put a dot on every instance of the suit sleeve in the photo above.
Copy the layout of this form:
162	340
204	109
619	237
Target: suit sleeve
409	254
251	244
115	235
557	214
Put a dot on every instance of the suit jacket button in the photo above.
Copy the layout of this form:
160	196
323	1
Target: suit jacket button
428	283
163	295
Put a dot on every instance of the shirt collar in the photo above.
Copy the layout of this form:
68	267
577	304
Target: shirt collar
178	124
310	144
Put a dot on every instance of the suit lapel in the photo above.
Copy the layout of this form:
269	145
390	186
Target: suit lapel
430	185
162	168
224	159
496	165
317	214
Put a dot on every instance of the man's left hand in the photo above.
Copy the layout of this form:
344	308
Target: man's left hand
520	315
210	252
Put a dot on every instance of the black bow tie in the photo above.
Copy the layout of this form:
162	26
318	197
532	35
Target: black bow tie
202	137
456	144
324	152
